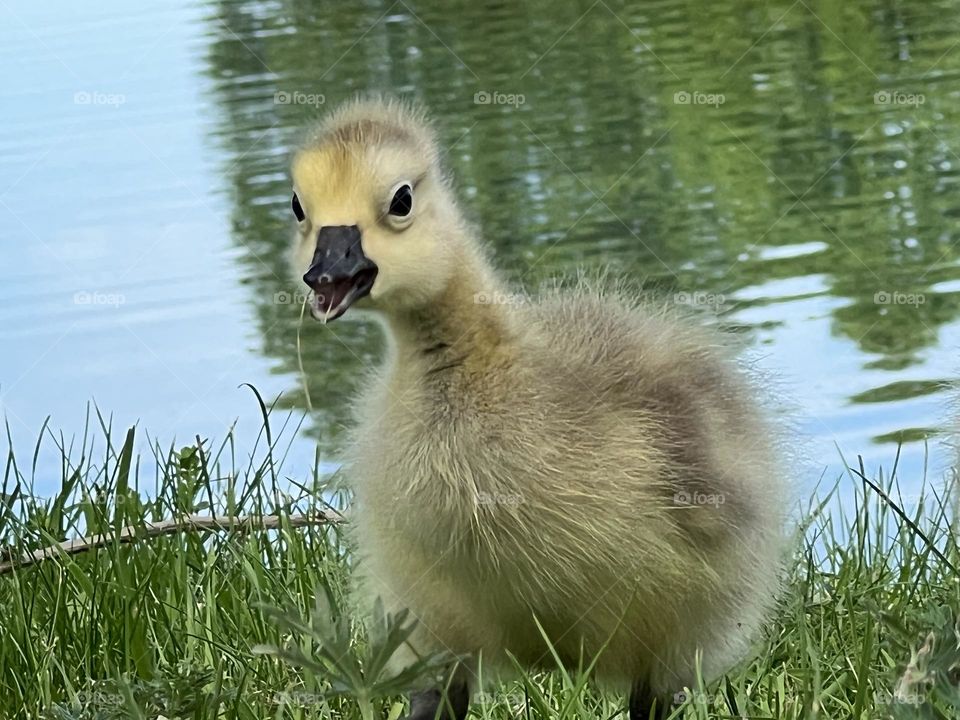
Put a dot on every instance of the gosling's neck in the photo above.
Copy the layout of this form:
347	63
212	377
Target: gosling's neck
466	327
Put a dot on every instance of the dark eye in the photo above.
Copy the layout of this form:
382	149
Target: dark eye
297	210
402	202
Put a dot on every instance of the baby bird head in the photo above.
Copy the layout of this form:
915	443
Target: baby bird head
377	223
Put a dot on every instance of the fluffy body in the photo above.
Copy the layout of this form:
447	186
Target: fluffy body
591	464
580	458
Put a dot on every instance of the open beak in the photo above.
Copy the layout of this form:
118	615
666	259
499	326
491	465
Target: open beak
340	273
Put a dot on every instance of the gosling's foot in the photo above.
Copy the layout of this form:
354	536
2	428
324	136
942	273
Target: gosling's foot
435	705
646	705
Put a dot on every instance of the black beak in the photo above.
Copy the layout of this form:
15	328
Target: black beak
340	273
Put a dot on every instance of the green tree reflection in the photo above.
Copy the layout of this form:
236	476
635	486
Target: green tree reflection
605	164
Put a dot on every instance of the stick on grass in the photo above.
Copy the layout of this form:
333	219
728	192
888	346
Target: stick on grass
190	523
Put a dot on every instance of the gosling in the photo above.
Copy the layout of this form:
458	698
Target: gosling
576	466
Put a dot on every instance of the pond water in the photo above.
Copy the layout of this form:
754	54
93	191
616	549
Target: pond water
790	167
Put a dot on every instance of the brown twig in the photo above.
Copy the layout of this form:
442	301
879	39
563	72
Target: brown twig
190	523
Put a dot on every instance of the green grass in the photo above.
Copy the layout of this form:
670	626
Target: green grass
258	624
